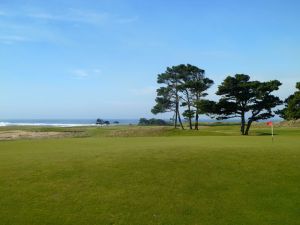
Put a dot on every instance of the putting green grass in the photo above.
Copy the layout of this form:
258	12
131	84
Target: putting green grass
168	179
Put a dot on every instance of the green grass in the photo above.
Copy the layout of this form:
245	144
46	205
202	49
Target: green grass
133	175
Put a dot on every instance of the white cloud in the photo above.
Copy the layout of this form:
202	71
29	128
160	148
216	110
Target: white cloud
80	74
144	91
97	71
72	15
83	73
44	16
15	31
82	16
36	24
10	39
88	16
127	20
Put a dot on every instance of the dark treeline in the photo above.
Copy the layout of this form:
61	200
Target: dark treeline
152	122
184	88
102	122
105	122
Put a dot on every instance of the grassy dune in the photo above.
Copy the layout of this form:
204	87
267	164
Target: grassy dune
133	175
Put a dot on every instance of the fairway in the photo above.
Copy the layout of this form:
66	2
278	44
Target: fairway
205	180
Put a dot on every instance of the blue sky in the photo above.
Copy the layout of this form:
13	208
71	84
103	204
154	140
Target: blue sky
100	58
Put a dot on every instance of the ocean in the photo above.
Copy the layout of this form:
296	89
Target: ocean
87	122
61	122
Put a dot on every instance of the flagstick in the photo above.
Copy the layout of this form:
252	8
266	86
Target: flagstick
272	133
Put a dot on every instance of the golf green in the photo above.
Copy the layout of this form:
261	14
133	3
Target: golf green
205	180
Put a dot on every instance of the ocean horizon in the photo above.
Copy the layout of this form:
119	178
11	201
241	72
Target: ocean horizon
86	122
61	122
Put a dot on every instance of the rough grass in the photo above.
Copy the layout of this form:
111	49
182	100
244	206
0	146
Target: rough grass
213	176
204	130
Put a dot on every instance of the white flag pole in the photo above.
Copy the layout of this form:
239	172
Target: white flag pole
272	133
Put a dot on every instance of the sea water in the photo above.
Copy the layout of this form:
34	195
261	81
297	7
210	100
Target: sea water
61	122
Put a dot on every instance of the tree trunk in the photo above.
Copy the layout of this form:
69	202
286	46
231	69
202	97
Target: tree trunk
176	109
190	122
180	120
248	126
197	113
196	120
243	124
189	109
190	118
176	113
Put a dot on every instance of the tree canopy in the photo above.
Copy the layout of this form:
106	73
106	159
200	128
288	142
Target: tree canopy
168	98
152	122
245	99
193	87
291	110
183	86
102	122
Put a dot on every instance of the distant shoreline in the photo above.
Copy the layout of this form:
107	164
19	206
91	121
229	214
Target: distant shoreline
61	122
84	122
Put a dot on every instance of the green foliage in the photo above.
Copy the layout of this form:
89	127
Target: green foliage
292	106
165	101
188	114
193	87
100	121
184	85
168	98
207	107
240	96
152	122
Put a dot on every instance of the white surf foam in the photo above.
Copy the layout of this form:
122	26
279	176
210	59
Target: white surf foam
5	124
